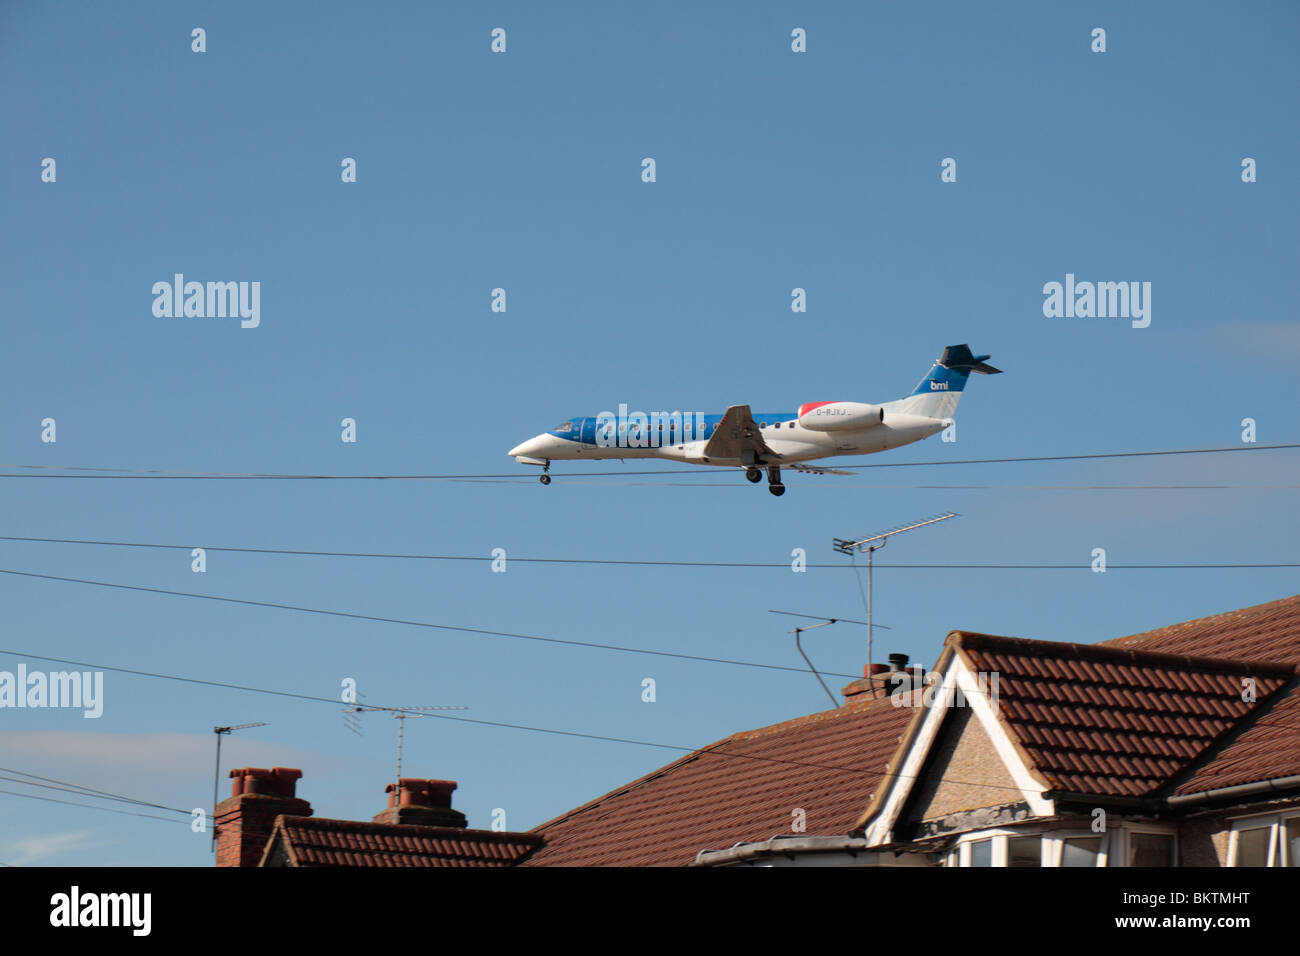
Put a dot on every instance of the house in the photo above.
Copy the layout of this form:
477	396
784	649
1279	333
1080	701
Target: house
264	823
1178	746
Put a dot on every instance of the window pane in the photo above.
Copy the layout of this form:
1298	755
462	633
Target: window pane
1252	846
1024	851
981	853
1081	851
1150	849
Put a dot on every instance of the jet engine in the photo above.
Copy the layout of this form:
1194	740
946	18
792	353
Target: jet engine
839	416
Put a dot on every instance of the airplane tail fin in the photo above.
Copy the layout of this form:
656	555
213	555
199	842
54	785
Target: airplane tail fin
938	393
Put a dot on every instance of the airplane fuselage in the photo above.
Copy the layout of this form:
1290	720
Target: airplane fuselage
770	440
581	438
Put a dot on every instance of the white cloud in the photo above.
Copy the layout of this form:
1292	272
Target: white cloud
31	850
161	752
1280	340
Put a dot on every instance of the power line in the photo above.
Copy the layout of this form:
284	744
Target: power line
88	806
83	471
80	791
426	624
606	561
469	720
689	751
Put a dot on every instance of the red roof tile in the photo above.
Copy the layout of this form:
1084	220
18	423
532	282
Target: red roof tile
1265	632
1267	745
314	841
1115	721
742	788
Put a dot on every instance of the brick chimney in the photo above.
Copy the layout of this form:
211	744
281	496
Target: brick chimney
885	678
244	820
425	803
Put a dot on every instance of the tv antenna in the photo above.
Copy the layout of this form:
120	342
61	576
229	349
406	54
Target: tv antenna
402	714
812	627
871	545
216	776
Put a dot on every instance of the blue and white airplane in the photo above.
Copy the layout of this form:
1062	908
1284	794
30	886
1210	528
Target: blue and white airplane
738	438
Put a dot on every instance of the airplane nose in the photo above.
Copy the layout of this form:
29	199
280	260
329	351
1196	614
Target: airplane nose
532	448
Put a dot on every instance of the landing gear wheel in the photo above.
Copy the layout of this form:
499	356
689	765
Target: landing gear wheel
774	480
754	473
545	479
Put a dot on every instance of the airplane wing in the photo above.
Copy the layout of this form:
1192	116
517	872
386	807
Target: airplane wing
737	434
815	470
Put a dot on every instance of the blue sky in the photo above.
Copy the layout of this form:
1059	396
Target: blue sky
522	171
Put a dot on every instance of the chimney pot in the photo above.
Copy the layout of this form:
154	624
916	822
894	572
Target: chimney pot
279	781
415	792
414	800
897	662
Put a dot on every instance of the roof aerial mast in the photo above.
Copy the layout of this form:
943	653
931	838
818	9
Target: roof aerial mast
402	714
871	545
216	777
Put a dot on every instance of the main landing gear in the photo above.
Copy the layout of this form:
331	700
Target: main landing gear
774	480
545	479
754	473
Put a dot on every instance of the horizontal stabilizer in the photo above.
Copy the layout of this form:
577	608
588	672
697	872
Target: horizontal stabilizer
959	356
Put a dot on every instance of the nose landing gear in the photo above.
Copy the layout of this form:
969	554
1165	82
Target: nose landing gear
545	478
774	480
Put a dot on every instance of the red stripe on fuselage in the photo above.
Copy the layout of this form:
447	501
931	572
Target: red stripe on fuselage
807	407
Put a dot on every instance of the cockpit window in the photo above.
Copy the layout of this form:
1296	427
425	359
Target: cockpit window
563	427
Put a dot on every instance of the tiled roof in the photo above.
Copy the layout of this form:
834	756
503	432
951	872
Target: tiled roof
1269	744
1268	748
1265	632
1111	721
1124	718
742	788
313	841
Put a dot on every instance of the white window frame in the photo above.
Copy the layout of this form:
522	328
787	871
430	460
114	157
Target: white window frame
1054	845
1114	849
1122	834
1001	851
1278	850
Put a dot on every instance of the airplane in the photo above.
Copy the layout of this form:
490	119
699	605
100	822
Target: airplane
738	438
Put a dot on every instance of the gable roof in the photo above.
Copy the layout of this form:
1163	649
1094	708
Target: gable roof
1145	715
1267	746
319	842
1264	632
743	788
1111	721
